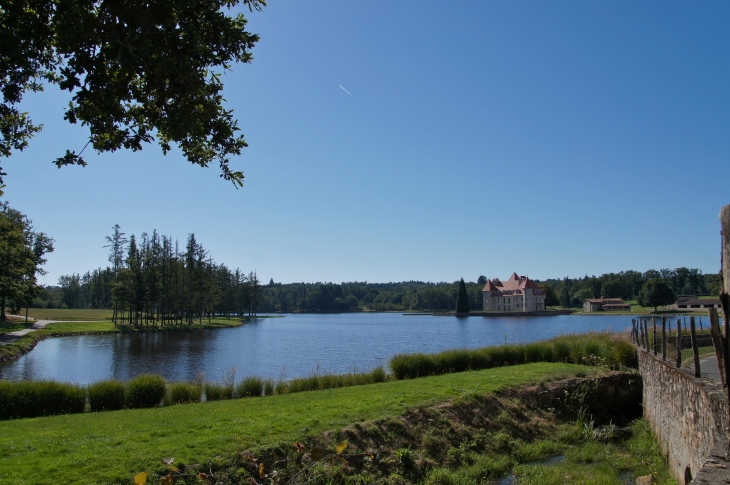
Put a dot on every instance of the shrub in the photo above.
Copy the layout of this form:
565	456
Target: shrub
106	395
282	387
213	391
534	352
405	366
624	354
251	387
145	391
268	387
27	399
303	384
378	375
612	350
182	392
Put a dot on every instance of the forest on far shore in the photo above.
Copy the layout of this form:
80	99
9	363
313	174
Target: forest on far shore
213	289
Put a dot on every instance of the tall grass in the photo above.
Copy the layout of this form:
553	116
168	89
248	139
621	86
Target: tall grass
611	350
145	391
216	392
27	399
250	387
317	382
106	395
183	393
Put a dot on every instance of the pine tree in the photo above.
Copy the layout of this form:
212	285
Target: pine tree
462	299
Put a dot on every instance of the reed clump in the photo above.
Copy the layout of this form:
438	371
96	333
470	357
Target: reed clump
217	392
106	395
250	387
183	393
316	382
26	399
146	391
595	348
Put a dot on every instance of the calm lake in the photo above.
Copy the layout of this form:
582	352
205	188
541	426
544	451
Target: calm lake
285	348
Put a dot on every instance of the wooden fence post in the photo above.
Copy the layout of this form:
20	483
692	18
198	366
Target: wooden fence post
664	337
633	331
718	341
653	324
641	333
679	343
695	351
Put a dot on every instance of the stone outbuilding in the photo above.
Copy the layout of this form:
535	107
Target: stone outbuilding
691	302
605	305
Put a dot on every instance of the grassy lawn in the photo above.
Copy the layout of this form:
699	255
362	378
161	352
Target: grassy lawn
69	314
113	446
688	358
79	327
12	324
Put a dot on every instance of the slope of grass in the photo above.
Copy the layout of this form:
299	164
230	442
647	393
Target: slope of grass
112	446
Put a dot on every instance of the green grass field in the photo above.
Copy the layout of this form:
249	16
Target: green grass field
79	327
113	446
69	314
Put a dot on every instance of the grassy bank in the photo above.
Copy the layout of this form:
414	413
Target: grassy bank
112	446
472	439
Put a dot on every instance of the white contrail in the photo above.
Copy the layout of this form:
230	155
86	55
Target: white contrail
345	90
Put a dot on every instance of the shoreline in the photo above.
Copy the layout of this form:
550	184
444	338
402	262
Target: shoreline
26	343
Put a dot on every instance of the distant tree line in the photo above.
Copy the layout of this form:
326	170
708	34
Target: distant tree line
152	280
570	292
356	296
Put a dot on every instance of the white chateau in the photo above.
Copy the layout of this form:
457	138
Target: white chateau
517	294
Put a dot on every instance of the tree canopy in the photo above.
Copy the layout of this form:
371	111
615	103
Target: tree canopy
462	298
137	70
22	252
656	292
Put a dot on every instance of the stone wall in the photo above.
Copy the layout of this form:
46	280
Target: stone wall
689	416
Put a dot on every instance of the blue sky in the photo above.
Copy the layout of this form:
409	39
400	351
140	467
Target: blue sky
548	138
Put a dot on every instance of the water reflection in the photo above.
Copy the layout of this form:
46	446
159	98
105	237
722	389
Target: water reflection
288	347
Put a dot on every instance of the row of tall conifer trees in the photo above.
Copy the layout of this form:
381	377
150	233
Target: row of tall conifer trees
153	281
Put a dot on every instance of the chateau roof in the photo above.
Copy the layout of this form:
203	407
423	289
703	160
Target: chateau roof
514	282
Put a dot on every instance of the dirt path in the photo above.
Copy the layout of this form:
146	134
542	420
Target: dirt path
11	337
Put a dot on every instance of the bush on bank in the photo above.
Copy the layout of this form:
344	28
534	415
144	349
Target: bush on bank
610	350
145	391
27	399
106	396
